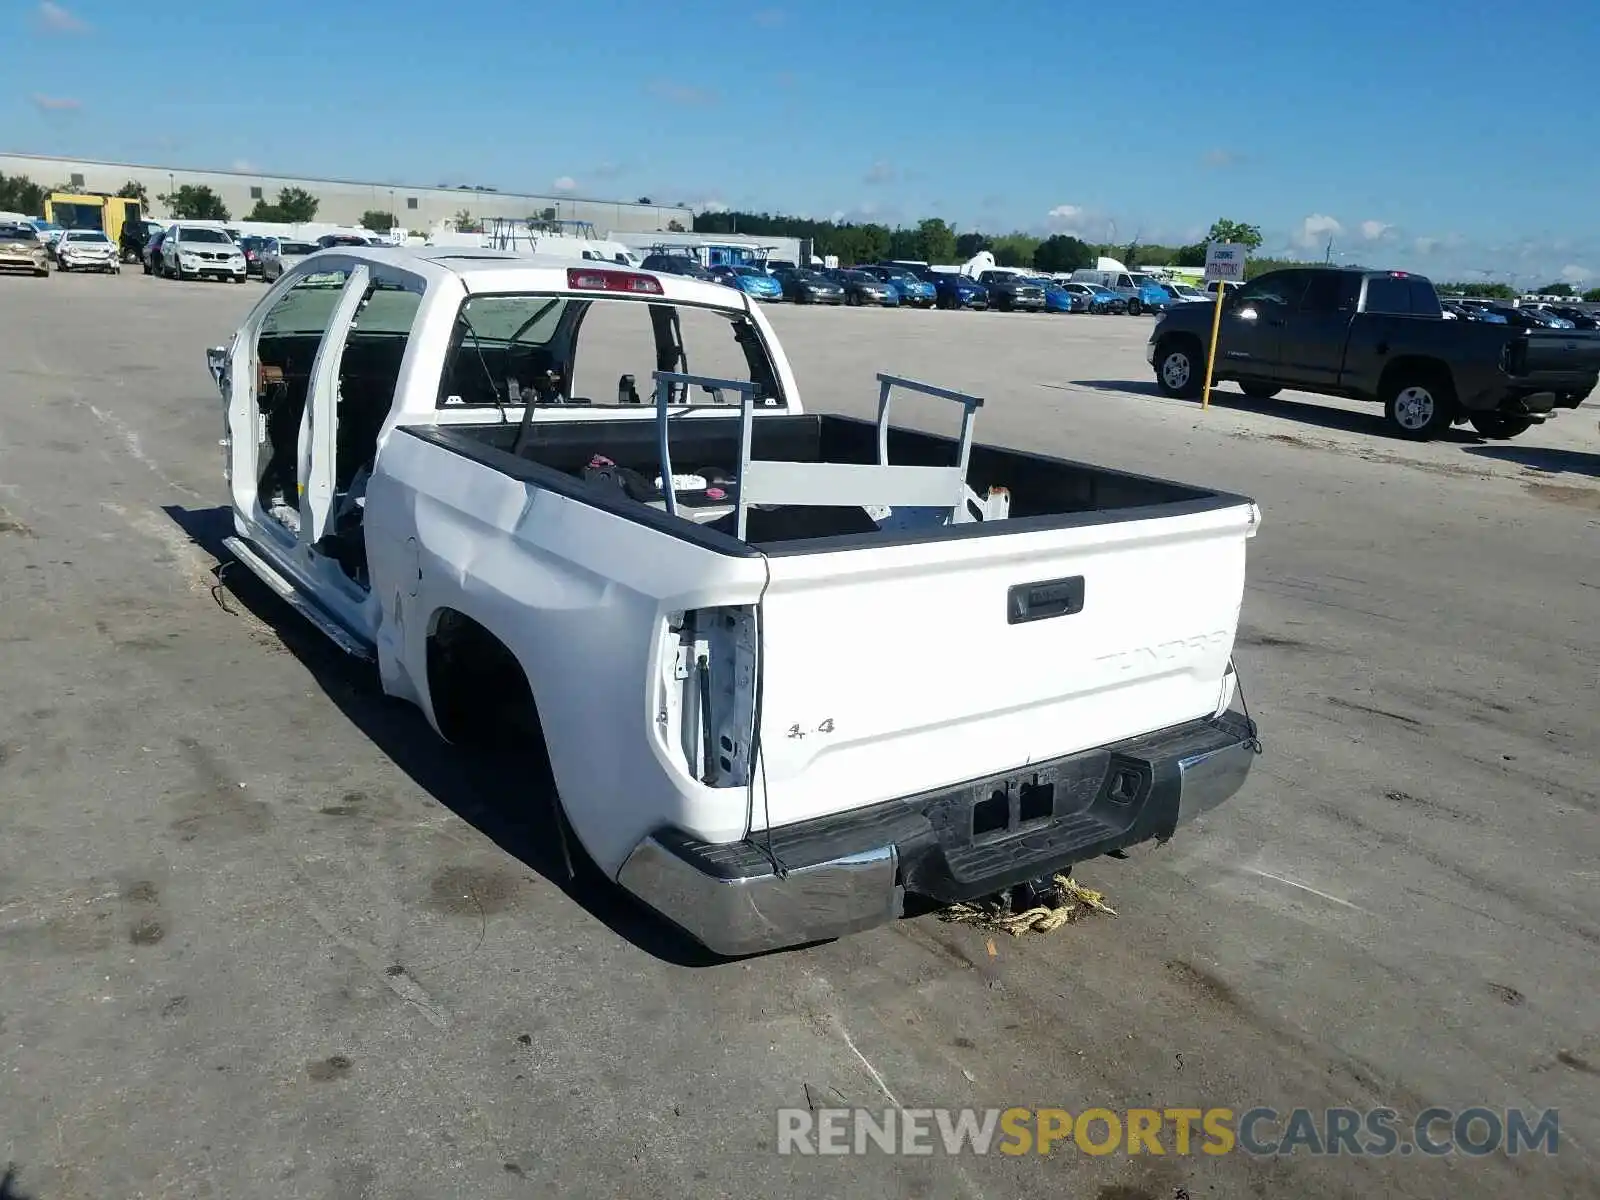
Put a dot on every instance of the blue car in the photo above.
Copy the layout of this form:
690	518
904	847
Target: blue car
1057	298
917	293
749	281
959	291
1099	299
1155	298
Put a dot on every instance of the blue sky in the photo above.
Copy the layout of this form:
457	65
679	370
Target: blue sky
1394	127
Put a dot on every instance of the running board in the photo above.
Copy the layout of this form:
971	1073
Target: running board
330	626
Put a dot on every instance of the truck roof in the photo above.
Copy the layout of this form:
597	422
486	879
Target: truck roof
1349	270
485	270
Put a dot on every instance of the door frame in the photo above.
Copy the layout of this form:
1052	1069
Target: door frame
319	423
289	552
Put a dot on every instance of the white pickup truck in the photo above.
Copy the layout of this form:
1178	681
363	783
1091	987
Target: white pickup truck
787	667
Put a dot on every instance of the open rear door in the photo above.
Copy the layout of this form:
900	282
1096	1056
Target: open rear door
319	428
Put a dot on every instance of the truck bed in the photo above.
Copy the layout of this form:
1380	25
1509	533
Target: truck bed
1045	492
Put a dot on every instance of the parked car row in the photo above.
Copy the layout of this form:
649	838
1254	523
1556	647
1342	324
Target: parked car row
200	251
24	247
1542	315
903	285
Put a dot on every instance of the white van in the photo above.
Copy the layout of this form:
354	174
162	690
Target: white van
1119	281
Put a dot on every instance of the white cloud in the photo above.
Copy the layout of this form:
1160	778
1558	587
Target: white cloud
244	166
708	205
1425	245
565	184
1221	158
58	20
1572	273
880	172
837	215
1073	219
1374	230
1316	229
51	104
868	212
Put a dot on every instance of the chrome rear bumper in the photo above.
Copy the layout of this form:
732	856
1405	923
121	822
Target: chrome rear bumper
750	914
847	872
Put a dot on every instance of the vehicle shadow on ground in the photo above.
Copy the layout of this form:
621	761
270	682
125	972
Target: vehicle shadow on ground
8	1185
1131	387
1303	412
1540	458
489	791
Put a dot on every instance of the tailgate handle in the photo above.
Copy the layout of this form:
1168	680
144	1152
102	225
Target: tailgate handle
1046	598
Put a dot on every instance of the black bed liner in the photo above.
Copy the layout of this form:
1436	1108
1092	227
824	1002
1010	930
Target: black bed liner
1046	492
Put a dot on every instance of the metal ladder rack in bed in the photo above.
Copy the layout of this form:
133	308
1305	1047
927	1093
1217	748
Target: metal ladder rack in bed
764	481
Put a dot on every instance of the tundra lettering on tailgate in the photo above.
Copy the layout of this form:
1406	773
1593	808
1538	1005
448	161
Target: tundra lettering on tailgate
1165	652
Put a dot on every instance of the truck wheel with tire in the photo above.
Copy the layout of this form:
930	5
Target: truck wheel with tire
1180	373
1134	308
1259	391
1418	404
1500	425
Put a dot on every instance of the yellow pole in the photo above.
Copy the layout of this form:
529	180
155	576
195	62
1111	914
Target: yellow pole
1211	355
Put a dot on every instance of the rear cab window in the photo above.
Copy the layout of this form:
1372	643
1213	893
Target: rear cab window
1400	295
562	349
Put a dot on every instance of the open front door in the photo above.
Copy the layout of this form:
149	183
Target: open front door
319	428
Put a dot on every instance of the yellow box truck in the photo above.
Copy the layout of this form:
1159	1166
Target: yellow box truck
121	219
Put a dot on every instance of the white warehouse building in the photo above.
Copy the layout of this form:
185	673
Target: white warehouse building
341	202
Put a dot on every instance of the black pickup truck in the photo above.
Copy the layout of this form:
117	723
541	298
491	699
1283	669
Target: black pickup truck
1009	292
1376	335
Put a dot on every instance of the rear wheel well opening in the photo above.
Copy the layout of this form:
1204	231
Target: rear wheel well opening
482	700
480	694
1404	372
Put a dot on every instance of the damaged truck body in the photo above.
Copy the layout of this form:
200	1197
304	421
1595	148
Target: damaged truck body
786	667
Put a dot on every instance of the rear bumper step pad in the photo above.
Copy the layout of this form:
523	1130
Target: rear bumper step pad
846	872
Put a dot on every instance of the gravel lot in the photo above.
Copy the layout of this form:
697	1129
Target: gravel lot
262	935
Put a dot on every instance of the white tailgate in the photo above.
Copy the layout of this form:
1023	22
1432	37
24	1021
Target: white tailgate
887	672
